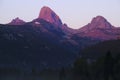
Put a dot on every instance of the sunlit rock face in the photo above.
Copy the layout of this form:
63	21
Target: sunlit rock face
100	28
97	22
49	15
17	21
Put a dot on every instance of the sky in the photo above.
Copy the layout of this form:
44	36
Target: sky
75	13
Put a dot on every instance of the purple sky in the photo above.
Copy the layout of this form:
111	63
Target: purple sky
75	13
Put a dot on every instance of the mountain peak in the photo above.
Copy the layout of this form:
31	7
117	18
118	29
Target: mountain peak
17	21
49	15
99	28
99	19
99	22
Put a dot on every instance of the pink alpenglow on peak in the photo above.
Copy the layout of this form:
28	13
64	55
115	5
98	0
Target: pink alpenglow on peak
100	22
97	22
100	28
17	21
49	15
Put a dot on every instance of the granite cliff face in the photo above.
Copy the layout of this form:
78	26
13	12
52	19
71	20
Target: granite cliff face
49	15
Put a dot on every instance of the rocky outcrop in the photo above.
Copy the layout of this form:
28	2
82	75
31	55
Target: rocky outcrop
49	15
17	21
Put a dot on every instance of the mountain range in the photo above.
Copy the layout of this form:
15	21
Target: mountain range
48	42
98	28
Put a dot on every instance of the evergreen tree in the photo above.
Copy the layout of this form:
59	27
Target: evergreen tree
109	66
80	69
62	74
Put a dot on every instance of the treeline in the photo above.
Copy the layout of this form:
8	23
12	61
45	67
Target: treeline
104	68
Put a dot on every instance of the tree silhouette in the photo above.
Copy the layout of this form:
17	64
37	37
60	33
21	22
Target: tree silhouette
80	70
109	66
62	74
117	67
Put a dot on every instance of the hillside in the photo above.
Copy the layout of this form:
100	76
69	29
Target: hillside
101	49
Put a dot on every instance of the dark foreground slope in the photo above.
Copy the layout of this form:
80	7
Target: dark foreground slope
39	44
33	46
101	49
